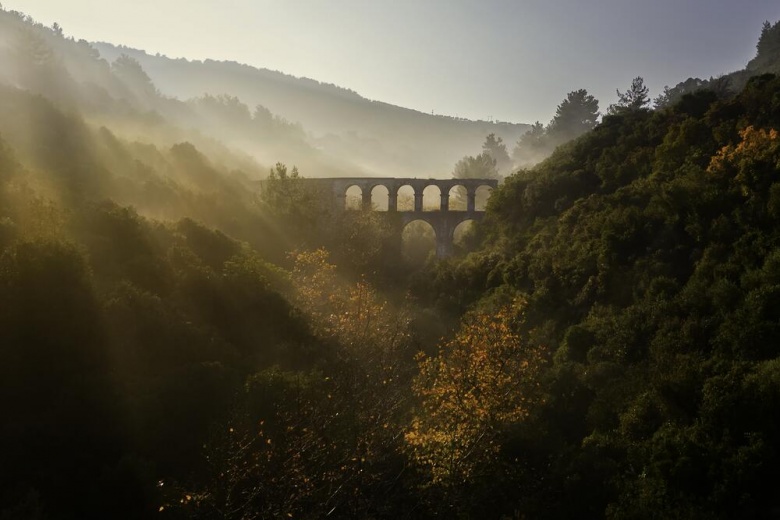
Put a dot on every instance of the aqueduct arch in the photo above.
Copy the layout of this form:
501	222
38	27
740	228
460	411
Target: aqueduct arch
443	220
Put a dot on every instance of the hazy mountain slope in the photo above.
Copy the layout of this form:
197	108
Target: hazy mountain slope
123	97
383	137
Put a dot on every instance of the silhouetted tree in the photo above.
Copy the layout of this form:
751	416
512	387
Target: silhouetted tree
576	114
635	98
767	50
496	149
671	96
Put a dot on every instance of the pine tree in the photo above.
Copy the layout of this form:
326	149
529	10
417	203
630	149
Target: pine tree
576	114
635	98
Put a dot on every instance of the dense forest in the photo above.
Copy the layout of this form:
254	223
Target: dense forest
176	343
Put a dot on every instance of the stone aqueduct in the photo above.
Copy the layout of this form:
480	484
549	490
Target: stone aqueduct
443	221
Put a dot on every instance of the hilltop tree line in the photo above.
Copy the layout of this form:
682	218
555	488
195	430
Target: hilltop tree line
575	116
579	112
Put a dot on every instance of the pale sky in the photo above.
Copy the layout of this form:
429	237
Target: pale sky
500	59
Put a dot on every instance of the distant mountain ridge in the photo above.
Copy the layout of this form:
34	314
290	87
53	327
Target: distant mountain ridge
383	138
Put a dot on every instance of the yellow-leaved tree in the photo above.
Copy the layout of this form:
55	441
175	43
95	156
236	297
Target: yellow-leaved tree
352	313
753	162
480	383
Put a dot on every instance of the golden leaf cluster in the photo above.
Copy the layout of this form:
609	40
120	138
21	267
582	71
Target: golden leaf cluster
481	382
755	145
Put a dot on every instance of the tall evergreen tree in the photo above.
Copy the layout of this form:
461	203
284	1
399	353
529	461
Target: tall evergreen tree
532	147
635	98
576	114
767	50
496	149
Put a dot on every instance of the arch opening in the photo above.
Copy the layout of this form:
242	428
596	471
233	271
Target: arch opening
405	198
354	198
431	198
379	198
482	195
458	198
418	242
464	237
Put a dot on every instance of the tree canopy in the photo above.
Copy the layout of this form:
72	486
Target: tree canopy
483	166
645	251
576	114
635	98
496	149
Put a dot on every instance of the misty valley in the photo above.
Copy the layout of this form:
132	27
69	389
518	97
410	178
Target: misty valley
231	293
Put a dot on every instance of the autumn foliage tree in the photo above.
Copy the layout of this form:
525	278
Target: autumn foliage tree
481	382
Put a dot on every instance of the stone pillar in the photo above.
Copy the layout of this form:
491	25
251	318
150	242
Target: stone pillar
392	200
444	236
418	201
366	200
443	244
445	201
471	200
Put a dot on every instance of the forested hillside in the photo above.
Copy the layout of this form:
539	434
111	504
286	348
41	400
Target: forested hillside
175	343
646	252
384	139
